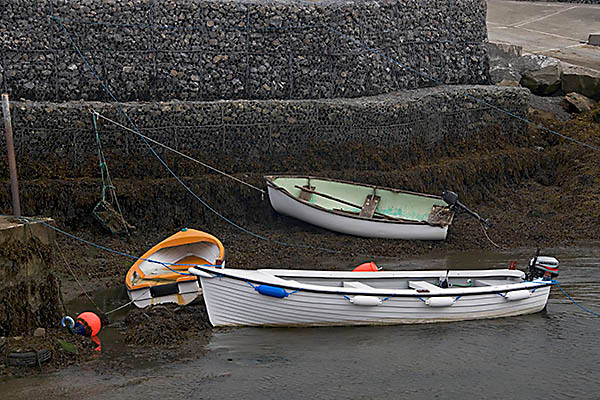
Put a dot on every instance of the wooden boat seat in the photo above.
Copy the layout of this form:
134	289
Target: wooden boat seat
424	286
357	285
369	206
305	192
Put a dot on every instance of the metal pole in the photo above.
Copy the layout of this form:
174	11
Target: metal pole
10	148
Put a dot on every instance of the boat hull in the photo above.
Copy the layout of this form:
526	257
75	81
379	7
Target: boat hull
234	302
160	275
284	204
184	292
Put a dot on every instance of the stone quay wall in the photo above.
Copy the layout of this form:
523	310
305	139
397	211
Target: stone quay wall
567	1
28	289
386	132
202	50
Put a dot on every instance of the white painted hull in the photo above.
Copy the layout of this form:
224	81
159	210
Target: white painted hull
188	291
287	205
231	301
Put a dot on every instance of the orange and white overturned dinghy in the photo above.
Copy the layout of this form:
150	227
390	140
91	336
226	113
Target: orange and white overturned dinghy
161	274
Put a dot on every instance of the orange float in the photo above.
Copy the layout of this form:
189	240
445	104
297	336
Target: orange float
86	324
366	267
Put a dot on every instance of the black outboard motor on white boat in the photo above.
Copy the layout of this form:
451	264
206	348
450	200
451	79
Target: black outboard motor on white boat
451	199
542	266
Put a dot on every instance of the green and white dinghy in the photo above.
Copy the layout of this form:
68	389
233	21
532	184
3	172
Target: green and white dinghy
359	209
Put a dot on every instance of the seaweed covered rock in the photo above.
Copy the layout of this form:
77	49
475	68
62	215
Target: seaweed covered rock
28	288
166	325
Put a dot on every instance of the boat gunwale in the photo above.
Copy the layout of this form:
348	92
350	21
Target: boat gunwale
377	292
199	236
271	184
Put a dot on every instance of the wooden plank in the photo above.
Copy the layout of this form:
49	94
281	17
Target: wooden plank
423	285
305	192
357	285
369	206
358	207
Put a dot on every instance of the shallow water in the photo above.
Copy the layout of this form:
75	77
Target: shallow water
552	354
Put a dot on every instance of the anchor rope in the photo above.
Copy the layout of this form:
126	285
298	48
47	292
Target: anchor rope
96	113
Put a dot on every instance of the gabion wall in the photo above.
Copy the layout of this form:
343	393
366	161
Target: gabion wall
567	1
150	50
386	132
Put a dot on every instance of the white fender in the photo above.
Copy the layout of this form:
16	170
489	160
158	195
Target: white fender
517	295
365	301
439	301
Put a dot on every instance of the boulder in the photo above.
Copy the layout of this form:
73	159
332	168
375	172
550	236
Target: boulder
578	102
581	80
507	72
534	62
544	81
503	51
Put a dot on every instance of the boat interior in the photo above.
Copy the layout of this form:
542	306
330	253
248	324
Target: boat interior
361	200
430	281
150	271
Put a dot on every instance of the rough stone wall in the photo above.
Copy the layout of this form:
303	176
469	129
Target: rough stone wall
57	140
567	1
28	290
149	50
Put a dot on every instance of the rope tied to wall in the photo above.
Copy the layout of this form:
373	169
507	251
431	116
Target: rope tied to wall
164	146
111	219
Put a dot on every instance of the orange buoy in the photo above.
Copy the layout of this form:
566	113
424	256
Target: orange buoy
91	323
366	267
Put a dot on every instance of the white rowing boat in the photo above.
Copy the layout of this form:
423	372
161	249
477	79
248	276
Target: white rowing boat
278	297
360	210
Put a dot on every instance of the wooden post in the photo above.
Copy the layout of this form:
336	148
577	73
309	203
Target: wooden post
10	148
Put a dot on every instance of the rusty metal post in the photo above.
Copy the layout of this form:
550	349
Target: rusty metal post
10	148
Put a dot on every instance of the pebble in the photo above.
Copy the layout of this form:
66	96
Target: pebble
39	332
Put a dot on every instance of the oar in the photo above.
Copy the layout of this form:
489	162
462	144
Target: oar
350	204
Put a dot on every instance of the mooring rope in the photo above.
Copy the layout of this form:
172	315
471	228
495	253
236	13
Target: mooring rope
106	184
488	237
374	51
181	182
85	292
576	303
178	152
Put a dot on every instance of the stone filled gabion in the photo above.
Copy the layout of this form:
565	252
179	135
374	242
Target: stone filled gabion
56	140
568	1
248	49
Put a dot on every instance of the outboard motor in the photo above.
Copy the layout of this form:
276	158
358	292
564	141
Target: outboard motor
451	199
542	266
